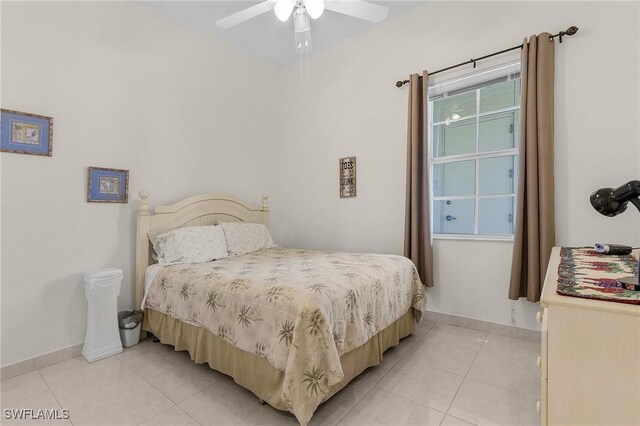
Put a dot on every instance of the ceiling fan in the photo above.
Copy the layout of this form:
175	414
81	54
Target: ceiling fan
305	10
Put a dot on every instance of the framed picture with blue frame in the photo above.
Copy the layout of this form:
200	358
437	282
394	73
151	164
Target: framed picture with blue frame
108	185
25	133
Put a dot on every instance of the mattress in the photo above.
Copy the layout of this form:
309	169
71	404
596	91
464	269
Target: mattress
149	275
299	310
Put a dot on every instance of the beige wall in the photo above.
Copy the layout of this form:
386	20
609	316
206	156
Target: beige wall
354	108
128	88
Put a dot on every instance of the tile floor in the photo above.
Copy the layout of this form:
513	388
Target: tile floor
442	375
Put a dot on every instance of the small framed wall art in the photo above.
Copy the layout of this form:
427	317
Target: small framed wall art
347	177
25	133
108	185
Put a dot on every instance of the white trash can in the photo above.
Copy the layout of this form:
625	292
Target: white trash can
129	323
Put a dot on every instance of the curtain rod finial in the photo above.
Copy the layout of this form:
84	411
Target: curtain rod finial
571	30
401	83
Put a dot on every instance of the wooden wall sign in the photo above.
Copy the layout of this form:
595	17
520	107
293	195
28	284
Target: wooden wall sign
347	177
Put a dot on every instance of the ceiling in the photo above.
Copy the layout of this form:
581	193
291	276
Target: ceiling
265	36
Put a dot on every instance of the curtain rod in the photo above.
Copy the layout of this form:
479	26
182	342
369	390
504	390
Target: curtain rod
569	32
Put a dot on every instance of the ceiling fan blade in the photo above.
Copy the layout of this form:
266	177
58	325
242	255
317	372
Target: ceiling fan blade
359	9
245	14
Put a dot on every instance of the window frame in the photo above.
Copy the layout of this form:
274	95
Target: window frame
477	82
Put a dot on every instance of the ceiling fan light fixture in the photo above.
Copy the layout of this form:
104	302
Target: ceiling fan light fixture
314	8
283	9
301	21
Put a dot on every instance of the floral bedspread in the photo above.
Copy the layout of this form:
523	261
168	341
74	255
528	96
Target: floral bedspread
301	310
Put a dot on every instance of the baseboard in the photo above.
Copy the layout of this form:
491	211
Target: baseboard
491	327
41	361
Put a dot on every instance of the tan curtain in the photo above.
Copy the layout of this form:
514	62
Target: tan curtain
417	225
535	224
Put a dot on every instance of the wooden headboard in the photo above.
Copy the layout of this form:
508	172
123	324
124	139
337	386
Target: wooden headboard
203	209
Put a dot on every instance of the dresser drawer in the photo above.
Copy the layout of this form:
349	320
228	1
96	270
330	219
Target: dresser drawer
592	367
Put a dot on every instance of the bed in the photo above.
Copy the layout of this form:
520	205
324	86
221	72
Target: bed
292	326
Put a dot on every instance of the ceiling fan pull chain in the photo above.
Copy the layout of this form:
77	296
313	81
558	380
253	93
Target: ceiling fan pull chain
303	72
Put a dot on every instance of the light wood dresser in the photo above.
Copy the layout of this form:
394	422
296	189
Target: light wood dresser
590	358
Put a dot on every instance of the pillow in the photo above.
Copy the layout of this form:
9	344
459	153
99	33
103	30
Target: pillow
155	243
245	238
191	244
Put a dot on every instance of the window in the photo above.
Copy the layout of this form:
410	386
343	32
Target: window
474	127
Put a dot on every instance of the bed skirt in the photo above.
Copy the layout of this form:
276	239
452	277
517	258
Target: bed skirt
256	373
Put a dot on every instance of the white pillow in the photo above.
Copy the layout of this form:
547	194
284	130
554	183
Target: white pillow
158	246
245	238
191	244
